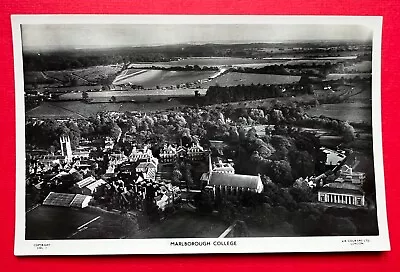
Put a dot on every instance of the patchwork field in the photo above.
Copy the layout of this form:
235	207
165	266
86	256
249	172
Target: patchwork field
78	109
359	67
233	79
92	74
234	61
161	78
347	76
201	61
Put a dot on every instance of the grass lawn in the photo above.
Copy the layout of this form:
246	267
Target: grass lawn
185	224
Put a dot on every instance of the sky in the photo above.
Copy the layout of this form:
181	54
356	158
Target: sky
74	36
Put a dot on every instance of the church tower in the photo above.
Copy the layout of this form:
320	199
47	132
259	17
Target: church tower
66	150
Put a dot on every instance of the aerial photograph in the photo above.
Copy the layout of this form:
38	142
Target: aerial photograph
139	131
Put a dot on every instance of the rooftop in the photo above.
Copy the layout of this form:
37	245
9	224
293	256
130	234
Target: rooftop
234	180
85	182
339	187
95	184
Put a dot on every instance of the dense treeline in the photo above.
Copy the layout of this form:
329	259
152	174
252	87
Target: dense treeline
277	212
183	68
46	134
311	69
218	94
71	59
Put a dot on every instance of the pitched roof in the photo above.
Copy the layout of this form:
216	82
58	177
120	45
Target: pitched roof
339	187
85	182
95	184
234	180
58	199
146	165
79	200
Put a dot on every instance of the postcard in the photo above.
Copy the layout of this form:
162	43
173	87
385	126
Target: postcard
178	134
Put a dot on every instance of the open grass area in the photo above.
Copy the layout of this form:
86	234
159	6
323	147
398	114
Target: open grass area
47	222
356	112
234	79
185	224
161	78
348	76
78	109
82	76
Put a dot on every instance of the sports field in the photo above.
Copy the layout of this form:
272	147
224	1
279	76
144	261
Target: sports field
47	222
185	224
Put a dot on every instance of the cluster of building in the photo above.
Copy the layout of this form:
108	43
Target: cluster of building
169	153
80	158
347	187
133	180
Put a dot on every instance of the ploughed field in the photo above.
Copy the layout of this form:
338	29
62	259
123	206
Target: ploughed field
142	74
161	78
200	79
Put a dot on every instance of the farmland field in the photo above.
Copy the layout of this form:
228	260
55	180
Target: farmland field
201	61
78	109
134	94
356	112
162	78
236	61
233	79
359	67
347	76
83	76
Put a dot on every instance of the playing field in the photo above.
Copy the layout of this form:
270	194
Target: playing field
47	222
185	224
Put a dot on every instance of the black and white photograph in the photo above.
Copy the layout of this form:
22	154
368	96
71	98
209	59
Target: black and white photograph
145	134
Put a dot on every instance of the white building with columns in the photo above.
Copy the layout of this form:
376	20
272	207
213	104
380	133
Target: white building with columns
342	193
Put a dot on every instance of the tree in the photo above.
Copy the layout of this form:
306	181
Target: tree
349	132
115	131
176	176
85	95
280	172
113	99
188	175
204	203
302	163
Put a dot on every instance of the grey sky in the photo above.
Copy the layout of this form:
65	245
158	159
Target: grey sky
115	35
